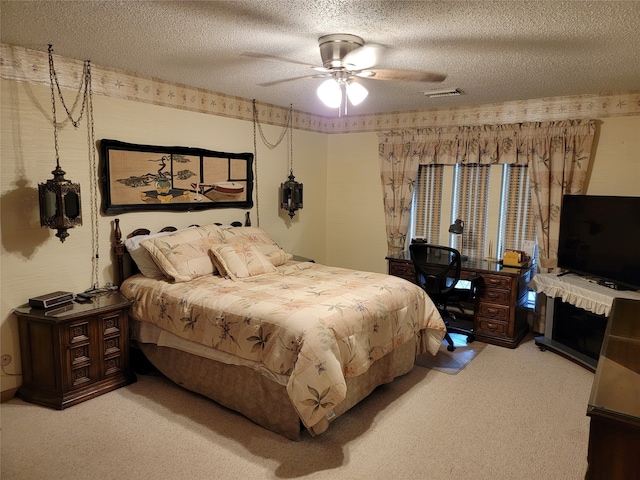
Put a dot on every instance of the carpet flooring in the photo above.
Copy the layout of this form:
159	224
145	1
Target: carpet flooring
508	414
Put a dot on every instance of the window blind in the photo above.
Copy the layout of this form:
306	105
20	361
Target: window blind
427	203
471	205
518	224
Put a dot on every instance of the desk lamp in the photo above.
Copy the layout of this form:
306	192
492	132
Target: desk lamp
457	228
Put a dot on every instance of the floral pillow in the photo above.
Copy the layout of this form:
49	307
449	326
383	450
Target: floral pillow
241	260
275	254
257	236
184	255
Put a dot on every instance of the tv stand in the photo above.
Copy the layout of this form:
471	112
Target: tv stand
590	302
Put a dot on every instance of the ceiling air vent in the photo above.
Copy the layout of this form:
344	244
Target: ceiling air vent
443	93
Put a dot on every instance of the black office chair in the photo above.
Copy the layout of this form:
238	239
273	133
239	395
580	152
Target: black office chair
437	271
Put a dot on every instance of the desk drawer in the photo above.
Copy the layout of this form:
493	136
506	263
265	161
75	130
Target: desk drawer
403	270
494	312
492	327
496	281
492	295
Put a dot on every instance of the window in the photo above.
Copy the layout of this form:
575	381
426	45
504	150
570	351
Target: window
494	201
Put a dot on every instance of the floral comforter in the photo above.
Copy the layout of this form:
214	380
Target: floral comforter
313	323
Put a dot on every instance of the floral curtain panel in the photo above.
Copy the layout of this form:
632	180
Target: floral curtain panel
400	155
559	158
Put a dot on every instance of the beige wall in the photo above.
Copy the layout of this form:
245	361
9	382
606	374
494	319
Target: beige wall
34	261
342	222
355	221
616	167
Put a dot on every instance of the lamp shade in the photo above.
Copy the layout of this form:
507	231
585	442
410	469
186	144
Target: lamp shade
330	93
457	227
356	93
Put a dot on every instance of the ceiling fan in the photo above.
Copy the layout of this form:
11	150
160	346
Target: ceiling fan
344	58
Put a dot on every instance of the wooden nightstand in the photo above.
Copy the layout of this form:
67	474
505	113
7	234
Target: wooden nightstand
76	352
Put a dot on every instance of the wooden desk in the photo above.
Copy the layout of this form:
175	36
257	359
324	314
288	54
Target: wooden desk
500	315
614	405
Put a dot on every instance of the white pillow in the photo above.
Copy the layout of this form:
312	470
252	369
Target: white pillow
141	255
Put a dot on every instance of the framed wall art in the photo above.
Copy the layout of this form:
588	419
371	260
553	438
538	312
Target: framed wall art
148	177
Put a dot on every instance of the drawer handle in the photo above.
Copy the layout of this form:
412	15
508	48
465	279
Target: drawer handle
492	326
492	311
493	296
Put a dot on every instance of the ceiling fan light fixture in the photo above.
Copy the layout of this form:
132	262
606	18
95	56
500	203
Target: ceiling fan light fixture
356	93
330	93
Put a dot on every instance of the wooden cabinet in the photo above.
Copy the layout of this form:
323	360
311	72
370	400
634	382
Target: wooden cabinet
614	404
76	352
500	315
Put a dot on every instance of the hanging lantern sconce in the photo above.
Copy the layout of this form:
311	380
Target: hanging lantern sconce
291	195
60	206
290	190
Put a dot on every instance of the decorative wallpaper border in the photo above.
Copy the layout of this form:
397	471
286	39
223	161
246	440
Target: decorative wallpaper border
25	65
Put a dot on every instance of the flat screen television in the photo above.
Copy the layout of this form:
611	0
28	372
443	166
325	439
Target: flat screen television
600	237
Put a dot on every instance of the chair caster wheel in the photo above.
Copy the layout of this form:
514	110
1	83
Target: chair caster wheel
451	348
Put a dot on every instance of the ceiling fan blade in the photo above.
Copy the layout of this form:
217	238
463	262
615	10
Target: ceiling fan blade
264	56
401	75
278	82
363	57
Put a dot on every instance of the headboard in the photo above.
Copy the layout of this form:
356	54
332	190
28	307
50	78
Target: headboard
120	251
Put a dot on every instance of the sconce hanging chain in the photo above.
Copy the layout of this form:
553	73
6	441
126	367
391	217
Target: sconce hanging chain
287	126
93	184
291	138
53	107
83	83
87	104
258	128
255	159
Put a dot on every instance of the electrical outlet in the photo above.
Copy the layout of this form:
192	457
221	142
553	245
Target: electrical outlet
5	360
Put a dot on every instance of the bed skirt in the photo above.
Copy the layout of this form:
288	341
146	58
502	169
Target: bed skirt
261	399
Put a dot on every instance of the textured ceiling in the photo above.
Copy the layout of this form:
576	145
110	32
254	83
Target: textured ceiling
493	51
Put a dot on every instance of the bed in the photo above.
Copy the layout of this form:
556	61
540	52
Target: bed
224	312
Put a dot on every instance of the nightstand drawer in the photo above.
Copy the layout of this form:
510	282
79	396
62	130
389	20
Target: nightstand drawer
495	312
492	327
